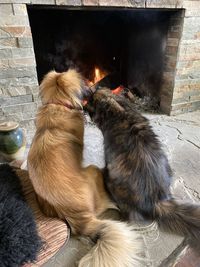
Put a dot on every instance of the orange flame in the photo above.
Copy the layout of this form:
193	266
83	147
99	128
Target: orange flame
98	75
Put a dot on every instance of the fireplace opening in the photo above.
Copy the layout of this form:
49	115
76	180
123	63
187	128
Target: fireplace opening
127	45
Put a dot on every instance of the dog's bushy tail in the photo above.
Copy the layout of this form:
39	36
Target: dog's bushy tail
117	245
180	218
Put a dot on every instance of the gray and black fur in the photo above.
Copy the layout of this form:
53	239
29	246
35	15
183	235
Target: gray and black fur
138	172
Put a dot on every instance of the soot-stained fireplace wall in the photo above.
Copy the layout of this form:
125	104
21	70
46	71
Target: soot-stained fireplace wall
129	42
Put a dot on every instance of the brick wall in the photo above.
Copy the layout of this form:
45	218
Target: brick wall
18	77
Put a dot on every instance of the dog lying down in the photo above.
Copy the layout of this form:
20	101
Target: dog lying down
63	187
138	174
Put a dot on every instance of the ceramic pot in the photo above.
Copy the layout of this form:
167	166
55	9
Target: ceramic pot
12	141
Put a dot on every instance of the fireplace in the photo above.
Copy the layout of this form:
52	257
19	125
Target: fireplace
151	46
129	45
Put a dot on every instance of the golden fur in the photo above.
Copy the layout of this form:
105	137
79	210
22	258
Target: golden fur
63	187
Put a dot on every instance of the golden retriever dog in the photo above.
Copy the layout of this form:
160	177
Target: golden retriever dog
63	187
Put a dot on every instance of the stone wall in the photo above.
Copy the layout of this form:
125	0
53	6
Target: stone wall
18	77
186	96
181	86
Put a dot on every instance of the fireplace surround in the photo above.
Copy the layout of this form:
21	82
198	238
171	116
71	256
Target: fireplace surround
179	84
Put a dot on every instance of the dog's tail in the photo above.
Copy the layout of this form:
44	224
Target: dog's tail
117	245
180	218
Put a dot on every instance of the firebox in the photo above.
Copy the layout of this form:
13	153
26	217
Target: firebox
127	45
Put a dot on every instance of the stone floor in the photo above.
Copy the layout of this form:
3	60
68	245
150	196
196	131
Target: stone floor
180	136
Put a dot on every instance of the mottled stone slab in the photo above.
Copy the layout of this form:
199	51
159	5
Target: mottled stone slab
11	20
19	9
164	3
18	72
25	42
191	29
19	81
122	3
184	107
69	2
17	62
6	10
14	31
188	69
187	85
8	43
192	8
187	96
15	1
43	2
13	117
16	53
19	109
16	91
15	100
189	52
90	2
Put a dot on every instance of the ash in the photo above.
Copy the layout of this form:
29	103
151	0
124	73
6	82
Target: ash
142	104
145	104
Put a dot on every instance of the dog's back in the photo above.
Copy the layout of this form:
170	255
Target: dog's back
56	151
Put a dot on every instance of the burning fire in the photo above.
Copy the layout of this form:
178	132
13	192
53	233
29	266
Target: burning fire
98	75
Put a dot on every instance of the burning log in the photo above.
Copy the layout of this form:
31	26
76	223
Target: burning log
111	81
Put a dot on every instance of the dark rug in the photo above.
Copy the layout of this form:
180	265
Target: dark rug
19	241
